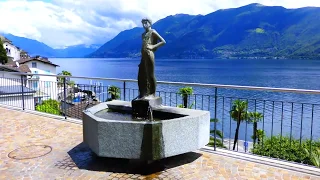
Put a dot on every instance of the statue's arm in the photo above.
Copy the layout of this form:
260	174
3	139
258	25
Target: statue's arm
161	42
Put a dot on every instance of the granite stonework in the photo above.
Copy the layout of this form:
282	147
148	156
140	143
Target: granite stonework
141	107
145	140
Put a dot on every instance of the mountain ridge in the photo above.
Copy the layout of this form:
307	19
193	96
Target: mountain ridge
249	31
34	47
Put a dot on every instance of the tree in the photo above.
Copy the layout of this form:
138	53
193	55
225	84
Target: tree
61	79
260	135
254	117
114	91
3	54
49	106
185	92
71	83
238	113
219	136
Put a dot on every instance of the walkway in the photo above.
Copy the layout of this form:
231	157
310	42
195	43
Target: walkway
37	147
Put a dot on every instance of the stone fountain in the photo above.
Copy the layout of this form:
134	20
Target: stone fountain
145	129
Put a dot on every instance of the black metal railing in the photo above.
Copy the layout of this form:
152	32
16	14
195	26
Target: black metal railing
280	123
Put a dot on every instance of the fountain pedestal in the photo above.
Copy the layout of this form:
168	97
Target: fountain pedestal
142	107
174	131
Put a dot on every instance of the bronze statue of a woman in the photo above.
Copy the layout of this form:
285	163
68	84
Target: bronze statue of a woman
151	40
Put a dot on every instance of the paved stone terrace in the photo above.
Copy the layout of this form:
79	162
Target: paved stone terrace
36	147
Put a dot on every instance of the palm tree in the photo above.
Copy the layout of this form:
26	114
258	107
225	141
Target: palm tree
185	92
260	135
219	136
114	91
238	113
61	79
254	117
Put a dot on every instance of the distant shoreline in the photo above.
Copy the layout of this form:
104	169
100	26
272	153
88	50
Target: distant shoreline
275	58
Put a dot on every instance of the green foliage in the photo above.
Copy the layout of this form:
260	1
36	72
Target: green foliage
49	106
219	143
282	148
185	92
255	117
190	107
314	156
71	83
61	79
259	135
239	113
3	54
114	91
219	136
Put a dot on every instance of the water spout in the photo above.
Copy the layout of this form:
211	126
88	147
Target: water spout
150	114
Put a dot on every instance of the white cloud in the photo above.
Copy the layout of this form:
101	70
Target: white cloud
70	22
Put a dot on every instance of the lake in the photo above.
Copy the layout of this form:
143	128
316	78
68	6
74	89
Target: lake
302	74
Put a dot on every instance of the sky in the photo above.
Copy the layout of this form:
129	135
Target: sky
62	23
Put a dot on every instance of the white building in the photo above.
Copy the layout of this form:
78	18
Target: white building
46	86
11	88
13	52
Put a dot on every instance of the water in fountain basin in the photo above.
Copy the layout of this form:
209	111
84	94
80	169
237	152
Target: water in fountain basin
121	115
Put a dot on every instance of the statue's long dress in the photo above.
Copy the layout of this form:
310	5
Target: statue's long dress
146	77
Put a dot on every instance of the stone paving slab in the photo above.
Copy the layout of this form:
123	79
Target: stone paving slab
36	147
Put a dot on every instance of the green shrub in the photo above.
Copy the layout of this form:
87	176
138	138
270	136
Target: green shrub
314	157
219	136
185	92
280	147
49	106
114	91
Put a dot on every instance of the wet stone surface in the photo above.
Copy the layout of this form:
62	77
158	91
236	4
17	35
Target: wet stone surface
71	159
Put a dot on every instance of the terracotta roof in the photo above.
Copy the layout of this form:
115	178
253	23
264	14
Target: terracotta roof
24	68
8	68
43	60
13	68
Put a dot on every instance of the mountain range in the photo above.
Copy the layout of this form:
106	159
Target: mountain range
250	31
34	48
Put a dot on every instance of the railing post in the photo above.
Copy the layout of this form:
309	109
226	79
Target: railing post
64	98
215	116
124	90
107	93
22	91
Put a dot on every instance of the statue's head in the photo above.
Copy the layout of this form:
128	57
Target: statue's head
146	23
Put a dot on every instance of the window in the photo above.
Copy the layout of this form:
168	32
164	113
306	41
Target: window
47	84
34	65
36	72
48	71
35	84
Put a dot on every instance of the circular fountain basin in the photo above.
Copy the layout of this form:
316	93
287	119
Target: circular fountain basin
110	131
